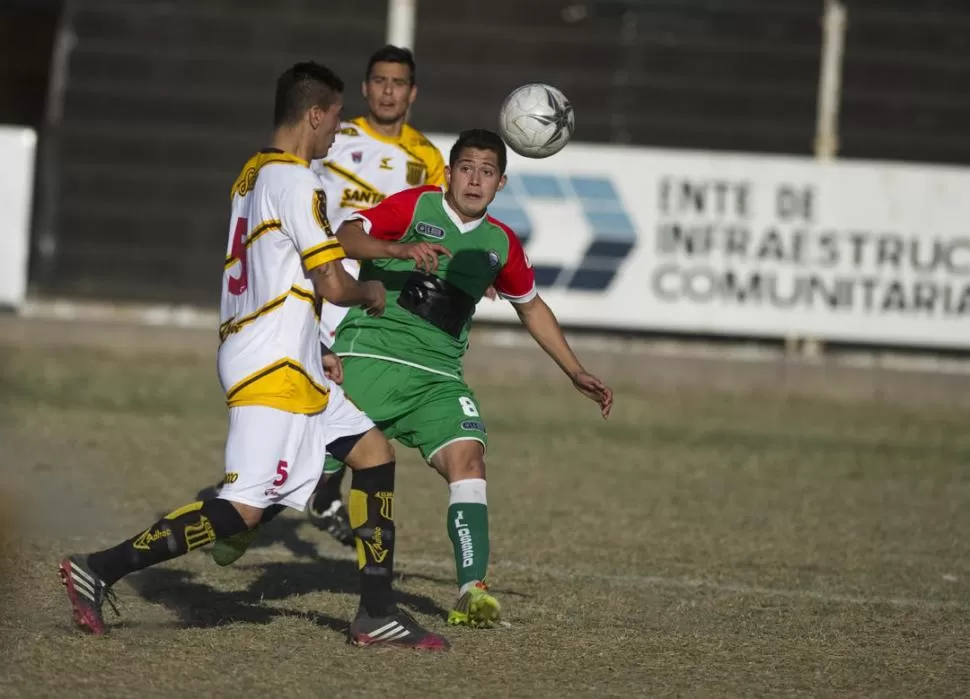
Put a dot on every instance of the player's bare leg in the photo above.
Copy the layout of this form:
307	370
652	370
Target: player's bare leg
462	464
371	513
89	577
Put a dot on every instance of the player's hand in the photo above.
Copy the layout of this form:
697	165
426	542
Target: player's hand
424	255
376	297
333	367
490	293
595	390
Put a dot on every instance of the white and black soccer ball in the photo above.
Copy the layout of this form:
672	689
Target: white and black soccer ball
536	120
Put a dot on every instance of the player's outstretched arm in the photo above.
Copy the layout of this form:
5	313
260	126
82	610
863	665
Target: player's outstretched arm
542	324
360	246
332	283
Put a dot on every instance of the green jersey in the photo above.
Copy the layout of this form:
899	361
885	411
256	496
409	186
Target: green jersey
428	317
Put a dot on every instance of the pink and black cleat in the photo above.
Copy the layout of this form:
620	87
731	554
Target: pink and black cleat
397	629
87	594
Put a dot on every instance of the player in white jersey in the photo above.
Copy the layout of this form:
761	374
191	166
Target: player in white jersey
376	155
282	261
373	157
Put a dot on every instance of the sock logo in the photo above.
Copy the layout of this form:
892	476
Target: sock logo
376	546
149	536
464	540
387	504
199	534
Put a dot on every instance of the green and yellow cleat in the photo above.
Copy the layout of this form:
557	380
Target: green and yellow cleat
476	608
229	550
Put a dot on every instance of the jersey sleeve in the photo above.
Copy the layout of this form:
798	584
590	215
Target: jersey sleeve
391	219
303	213
436	167
516	281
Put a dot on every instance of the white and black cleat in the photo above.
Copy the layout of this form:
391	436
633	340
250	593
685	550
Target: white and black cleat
333	519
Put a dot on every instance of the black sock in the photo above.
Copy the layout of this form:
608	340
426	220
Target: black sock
371	511
269	514
328	489
177	533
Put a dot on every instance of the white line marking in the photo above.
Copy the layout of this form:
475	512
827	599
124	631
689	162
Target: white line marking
415	565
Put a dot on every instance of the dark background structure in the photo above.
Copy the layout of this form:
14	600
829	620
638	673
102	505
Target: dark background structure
147	108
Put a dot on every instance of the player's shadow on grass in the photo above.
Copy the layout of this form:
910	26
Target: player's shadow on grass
200	605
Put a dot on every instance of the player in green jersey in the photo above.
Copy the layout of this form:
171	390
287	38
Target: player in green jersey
404	369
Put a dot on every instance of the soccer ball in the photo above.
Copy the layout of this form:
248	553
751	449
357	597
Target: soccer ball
536	120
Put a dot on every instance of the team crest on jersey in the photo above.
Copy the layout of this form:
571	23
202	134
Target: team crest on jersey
493	259
320	211
357	156
247	182
416	173
429	231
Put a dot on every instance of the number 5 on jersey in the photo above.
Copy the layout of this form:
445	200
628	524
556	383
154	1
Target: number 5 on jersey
237	253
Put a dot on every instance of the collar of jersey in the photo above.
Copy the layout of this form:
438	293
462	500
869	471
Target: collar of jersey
365	126
283	155
463	227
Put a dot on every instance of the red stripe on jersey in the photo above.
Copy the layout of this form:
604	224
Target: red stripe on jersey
516	278
390	219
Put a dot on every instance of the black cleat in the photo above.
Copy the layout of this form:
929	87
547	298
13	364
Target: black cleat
87	593
397	629
332	518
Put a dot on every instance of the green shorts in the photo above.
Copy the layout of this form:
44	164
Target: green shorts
419	409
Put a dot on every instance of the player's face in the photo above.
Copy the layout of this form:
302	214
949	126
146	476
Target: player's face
473	182
389	92
326	121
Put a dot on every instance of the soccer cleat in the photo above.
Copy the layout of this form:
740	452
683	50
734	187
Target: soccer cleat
87	593
397	629
333	519
476	608
229	550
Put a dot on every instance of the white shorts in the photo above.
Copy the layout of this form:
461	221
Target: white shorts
273	456
344	419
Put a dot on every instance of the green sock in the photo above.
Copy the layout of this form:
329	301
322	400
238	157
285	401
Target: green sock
468	530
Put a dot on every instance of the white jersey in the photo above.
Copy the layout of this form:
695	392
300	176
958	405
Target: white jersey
361	169
270	351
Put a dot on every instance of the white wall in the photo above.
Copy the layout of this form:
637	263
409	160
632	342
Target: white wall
746	244
17	147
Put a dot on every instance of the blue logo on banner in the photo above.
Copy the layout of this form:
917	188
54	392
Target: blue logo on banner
614	235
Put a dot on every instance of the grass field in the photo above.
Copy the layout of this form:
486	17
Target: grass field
733	530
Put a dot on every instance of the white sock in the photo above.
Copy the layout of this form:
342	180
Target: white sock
469	490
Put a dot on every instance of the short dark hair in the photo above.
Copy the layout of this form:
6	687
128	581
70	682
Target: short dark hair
393	54
301	87
482	139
